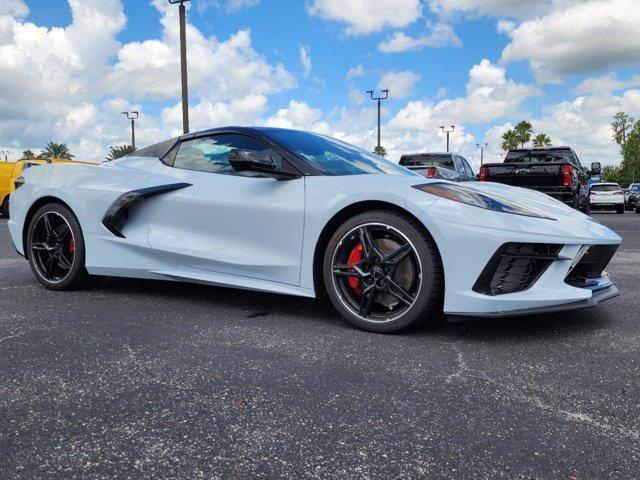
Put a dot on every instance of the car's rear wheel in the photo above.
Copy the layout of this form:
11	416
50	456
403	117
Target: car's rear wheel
382	272
56	248
620	209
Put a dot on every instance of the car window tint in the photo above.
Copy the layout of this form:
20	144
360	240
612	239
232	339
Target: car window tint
428	160
211	154
605	188
543	156
467	168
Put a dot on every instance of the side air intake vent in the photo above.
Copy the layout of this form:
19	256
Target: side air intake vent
516	267
591	265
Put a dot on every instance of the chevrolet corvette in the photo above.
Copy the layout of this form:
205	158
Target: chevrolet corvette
298	213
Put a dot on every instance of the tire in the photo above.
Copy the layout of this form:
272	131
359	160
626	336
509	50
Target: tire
620	210
404	287
57	260
4	208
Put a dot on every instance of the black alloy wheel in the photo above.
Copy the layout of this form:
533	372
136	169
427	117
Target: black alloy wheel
55	248
382	271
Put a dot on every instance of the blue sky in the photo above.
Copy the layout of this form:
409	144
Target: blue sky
481	65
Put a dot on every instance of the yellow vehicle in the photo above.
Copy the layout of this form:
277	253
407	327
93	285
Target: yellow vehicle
9	171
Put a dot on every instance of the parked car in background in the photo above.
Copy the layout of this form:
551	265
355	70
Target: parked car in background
446	166
555	171
626	192
607	196
631	200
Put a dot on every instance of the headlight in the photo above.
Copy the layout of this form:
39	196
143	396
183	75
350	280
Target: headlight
461	194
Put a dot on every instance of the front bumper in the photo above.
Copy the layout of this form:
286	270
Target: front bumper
468	240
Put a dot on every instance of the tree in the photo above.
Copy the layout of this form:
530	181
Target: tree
28	154
380	150
510	140
621	125
56	150
541	140
523	130
631	152
119	151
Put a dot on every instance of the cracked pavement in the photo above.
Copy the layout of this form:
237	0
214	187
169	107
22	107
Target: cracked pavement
150	379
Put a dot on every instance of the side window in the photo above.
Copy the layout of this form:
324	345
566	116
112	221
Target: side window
211	154
467	168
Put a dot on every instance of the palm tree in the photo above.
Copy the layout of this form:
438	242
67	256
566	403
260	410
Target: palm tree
56	150
380	150
119	151
524	130
510	140
541	140
28	154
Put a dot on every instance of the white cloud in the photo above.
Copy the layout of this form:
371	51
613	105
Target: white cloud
400	84
438	35
355	72
15	8
62	84
356	96
606	83
299	115
305	59
577	37
363	17
500	8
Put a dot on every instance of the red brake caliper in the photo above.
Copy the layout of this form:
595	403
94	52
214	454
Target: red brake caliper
354	257
72	245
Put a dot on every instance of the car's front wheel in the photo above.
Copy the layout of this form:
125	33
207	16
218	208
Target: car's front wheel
4	208
382	272
56	248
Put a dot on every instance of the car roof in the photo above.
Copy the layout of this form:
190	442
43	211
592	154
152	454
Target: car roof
427	154
605	183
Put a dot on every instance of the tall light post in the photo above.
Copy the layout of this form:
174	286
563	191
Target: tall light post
379	100
481	147
183	64
448	131
6	155
133	116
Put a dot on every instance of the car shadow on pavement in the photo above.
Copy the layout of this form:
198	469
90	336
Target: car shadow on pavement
256	305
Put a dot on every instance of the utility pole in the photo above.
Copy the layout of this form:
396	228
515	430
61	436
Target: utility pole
481	151
183	64
133	116
379	100
6	155
448	131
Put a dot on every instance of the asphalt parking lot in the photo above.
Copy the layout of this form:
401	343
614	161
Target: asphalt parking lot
153	379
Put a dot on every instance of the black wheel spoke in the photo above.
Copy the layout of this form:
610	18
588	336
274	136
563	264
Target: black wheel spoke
345	273
366	299
368	247
64	261
399	292
398	255
48	229
50	264
41	247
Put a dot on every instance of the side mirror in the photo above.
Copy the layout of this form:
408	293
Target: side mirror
596	168
251	161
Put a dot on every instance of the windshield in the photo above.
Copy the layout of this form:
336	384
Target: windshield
543	156
333	157
442	161
635	188
610	187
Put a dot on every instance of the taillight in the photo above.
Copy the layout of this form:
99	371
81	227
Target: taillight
483	174
617	193
432	171
566	175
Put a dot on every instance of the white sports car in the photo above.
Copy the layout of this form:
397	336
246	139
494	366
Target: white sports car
297	213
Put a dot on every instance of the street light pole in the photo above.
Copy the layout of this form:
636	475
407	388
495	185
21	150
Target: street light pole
448	131
379	100
183	64
6	155
133	116
481	151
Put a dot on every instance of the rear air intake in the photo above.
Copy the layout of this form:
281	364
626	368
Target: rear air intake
516	267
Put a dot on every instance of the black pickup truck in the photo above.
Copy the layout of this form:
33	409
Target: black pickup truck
555	171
